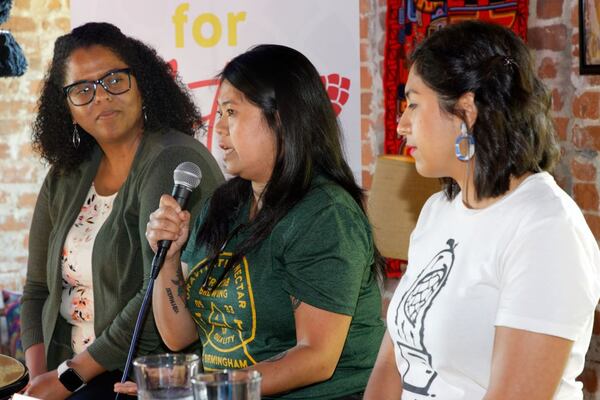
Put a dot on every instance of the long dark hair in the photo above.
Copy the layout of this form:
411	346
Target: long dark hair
513	132
287	88
166	102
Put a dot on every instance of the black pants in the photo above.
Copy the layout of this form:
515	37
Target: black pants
101	388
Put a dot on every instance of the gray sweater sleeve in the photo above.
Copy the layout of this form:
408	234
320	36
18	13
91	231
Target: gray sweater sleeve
36	289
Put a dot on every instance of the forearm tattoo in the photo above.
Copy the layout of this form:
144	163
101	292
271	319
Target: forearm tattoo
295	303
172	300
179	282
277	357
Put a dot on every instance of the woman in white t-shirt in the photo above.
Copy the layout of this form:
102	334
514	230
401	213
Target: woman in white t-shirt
498	299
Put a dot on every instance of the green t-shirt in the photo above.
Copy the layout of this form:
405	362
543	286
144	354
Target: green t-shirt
321	253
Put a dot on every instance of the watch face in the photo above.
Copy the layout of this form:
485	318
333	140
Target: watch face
70	380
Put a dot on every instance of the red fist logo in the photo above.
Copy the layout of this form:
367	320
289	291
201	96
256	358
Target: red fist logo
173	66
338	90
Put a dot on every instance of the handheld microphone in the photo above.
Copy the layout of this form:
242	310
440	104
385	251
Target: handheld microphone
186	177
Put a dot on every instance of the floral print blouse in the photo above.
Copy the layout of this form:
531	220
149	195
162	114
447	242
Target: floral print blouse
77	303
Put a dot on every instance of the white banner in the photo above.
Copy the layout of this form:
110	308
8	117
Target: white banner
199	37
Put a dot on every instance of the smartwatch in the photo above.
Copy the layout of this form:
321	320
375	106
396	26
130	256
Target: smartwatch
69	377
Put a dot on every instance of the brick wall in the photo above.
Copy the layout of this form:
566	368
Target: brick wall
553	35
372	31
35	24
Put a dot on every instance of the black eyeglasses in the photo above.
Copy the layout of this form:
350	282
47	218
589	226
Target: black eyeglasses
115	82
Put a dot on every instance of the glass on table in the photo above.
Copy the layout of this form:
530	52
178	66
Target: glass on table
227	385
166	376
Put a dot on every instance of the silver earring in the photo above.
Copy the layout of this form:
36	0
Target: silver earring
75	138
464	135
145	115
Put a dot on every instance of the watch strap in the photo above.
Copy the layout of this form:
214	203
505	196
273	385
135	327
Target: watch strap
74	381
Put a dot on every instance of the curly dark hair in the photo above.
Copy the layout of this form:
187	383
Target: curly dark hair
513	132
166	101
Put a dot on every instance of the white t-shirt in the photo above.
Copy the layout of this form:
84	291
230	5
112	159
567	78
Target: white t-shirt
528	261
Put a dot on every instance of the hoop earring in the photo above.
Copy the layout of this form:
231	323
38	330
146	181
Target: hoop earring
145	115
464	135
75	137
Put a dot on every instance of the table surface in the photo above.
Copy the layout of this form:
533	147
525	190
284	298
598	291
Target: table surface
11	370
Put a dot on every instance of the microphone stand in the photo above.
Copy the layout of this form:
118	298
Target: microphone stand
157	261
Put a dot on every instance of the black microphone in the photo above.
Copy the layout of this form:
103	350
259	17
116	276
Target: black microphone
186	177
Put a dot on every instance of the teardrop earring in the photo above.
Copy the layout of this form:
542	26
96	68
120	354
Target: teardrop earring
75	137
464	135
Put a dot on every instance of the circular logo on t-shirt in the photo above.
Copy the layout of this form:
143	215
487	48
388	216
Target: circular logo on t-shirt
225	312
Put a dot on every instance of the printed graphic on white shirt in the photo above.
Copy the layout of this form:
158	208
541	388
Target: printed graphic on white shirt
418	373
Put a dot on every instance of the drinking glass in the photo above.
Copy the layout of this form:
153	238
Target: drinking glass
227	385
165	376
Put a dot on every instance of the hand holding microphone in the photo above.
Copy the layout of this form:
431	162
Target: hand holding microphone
168	227
168	223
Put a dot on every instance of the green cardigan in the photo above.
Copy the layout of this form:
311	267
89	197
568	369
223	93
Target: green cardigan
121	257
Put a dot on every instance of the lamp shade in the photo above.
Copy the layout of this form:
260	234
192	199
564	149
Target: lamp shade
397	195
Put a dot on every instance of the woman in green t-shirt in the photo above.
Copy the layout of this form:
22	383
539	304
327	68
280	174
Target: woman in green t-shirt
279	273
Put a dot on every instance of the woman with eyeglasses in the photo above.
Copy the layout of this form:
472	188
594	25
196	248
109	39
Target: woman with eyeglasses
279	273
113	123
